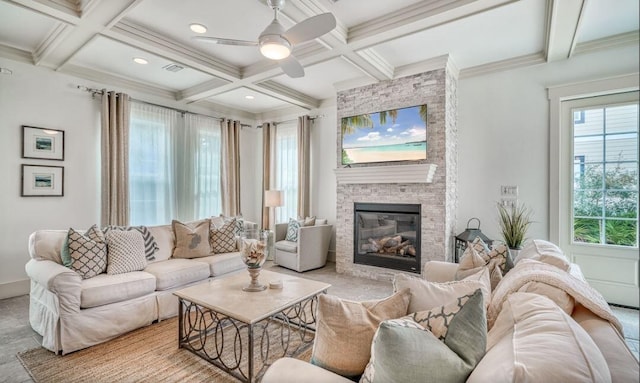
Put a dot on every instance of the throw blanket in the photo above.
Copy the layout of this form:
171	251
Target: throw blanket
528	270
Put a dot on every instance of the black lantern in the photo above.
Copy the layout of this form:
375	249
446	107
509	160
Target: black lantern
468	236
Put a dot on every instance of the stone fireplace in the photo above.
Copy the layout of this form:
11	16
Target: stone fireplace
429	184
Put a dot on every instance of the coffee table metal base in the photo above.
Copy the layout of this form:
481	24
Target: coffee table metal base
246	350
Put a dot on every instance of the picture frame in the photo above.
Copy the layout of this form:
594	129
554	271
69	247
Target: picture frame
42	181
42	143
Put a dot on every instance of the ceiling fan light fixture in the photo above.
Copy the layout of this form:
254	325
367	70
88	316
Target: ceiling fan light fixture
274	47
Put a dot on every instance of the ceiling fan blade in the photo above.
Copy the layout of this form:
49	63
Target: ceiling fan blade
217	40
310	28
292	67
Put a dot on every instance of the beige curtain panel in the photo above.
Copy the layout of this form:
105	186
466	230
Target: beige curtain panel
115	159
268	136
304	165
230	172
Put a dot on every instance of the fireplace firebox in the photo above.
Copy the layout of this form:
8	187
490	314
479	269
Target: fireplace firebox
387	235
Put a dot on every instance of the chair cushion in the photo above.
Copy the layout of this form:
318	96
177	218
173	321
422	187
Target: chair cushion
104	289
533	340
288	246
177	272
224	263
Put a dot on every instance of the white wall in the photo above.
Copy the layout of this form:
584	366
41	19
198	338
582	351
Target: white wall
503	132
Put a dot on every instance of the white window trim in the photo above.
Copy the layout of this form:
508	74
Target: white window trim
557	146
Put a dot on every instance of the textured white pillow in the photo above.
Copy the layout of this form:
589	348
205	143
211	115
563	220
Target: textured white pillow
544	251
548	346
125	251
426	295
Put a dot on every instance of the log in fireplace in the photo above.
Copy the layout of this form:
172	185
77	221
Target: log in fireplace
387	235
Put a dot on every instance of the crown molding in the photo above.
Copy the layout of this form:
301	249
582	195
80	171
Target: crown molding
378	62
503	65
428	65
16	54
53	39
623	39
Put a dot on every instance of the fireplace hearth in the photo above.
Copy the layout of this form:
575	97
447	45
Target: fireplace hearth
387	235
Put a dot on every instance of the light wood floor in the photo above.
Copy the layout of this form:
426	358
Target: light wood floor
16	334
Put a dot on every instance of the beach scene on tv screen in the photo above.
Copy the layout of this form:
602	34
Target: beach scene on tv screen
391	135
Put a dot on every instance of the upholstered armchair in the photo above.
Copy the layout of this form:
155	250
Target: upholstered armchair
308	252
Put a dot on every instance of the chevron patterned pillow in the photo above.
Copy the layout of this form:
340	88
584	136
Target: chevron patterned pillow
150	244
125	251
88	252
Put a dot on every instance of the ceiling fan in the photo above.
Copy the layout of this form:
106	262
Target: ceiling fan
276	44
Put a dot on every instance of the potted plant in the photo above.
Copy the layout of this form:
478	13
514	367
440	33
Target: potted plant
514	222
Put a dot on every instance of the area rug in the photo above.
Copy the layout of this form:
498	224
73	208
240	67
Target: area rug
149	354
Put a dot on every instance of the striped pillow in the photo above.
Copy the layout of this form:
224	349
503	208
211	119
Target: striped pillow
150	245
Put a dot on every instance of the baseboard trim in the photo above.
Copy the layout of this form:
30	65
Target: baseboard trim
14	289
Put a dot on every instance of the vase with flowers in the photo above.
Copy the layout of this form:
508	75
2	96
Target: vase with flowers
253	251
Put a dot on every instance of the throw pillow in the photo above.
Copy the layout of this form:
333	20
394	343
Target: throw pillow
192	239
223	239
450	341
533	340
64	252
344	330
426	295
292	230
308	221
150	244
125	251
477	256
88	252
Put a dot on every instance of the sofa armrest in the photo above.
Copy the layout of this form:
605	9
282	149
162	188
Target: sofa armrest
289	370
60	280
438	271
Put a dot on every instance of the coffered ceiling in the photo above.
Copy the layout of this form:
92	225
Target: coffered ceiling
374	40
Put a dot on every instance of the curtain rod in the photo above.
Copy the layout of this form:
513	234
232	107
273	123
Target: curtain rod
95	91
312	118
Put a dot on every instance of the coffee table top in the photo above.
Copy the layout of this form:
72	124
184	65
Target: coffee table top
225	295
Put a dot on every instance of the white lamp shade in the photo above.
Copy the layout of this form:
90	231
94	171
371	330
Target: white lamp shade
273	198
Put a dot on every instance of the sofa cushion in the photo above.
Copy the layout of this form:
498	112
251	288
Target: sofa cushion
288	246
225	263
450	340
223	238
557	295
192	239
104	289
533	340
177	272
544	251
88	252
426	295
165	239
345	329
125	251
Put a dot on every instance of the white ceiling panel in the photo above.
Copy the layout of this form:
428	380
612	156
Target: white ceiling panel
23	29
604	18
355	12
319	79
237	19
259	104
108	56
510	31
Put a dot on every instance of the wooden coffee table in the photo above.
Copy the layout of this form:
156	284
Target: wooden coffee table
243	332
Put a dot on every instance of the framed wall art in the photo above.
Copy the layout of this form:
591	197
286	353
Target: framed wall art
42	181
41	143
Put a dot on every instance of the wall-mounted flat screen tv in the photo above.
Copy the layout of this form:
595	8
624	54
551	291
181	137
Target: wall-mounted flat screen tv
386	136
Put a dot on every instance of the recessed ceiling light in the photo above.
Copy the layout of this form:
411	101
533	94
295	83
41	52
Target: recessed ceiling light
198	28
140	60
249	97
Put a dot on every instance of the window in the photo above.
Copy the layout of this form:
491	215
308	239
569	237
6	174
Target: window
286	170
174	165
605	174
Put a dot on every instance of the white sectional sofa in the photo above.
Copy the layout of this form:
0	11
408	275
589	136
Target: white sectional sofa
72	313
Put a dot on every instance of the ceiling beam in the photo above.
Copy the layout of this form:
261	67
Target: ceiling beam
563	21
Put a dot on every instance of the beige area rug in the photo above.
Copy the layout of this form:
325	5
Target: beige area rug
149	354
